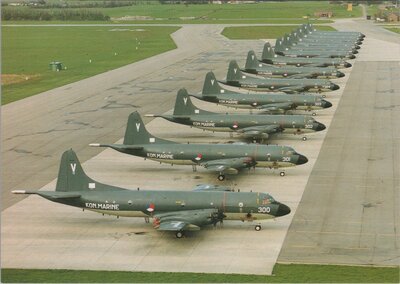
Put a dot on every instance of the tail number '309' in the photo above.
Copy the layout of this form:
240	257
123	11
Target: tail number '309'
264	209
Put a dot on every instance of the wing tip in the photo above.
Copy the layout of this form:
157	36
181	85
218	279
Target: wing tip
19	191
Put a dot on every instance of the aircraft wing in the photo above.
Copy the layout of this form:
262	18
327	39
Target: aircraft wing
291	89
277	106
232	165
185	220
260	131
315	65
211	187
173	226
301	76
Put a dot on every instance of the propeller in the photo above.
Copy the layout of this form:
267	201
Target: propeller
217	216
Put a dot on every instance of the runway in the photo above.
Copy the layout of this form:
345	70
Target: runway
350	207
349	212
39	234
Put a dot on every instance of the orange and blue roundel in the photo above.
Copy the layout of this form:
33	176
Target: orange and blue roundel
150	207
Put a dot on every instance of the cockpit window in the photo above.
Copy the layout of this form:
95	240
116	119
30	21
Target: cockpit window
310	120
267	199
289	152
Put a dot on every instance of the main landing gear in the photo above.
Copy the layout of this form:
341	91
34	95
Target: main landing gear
179	234
257	228
221	177
282	174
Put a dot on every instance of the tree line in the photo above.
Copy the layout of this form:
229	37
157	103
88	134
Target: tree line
52	15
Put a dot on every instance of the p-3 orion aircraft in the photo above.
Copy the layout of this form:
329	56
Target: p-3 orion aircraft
176	211
309	31
254	66
236	78
283	46
255	127
270	103
221	158
270	57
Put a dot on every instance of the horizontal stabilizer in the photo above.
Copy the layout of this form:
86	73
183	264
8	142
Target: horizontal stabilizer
50	194
117	146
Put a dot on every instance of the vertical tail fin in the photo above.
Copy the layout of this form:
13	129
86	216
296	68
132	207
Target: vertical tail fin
234	73
137	134
289	40
252	61
184	105
268	53
71	176
211	85
279	45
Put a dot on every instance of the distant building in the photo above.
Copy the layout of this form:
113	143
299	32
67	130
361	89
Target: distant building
323	14
392	17
388	16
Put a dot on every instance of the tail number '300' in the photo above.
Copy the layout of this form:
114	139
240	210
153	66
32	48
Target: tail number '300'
264	209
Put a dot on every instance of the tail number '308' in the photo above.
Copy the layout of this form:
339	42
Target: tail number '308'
264	209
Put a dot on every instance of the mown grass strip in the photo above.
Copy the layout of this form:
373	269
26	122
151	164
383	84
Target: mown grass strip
84	51
263	32
283	273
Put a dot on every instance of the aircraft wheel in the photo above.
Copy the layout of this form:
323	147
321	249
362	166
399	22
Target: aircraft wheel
304	138
282	174
314	114
257	228
179	234
221	177
324	96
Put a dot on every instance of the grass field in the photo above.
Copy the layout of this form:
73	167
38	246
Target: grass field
27	52
260	11
256	32
393	29
281	12
282	274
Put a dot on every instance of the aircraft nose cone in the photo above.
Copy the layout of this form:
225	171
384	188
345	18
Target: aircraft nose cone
302	160
347	64
358	47
282	210
355	51
340	74
318	126
326	104
352	56
334	87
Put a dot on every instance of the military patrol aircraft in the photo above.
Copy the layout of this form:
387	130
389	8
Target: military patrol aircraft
255	127
270	57
254	66
295	39
176	211
271	103
310	31
236	78
221	158
285	48
330	46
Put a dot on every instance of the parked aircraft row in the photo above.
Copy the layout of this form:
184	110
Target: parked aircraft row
283	76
